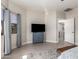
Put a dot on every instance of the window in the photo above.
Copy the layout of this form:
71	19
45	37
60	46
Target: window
13	23
14	28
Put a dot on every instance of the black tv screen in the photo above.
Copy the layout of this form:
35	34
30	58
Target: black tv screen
38	27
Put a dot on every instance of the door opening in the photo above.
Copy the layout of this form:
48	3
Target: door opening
66	30
61	32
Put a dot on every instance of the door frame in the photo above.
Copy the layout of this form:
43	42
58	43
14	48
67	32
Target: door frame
63	32
63	20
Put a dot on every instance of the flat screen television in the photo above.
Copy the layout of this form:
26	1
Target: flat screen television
38	27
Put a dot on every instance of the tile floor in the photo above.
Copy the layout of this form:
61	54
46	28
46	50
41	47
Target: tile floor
37	51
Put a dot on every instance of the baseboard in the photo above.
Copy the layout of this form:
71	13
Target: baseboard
23	43
52	41
28	42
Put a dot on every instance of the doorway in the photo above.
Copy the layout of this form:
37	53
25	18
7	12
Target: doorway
61	31
66	30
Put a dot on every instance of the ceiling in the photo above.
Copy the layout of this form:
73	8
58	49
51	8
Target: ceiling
47	4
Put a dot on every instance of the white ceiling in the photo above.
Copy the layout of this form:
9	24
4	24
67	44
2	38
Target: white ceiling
47	4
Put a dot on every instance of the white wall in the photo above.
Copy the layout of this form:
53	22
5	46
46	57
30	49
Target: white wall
74	14
33	17
50	21
60	15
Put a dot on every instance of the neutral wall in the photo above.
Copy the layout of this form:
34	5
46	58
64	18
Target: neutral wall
60	15
50	21
33	17
74	14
